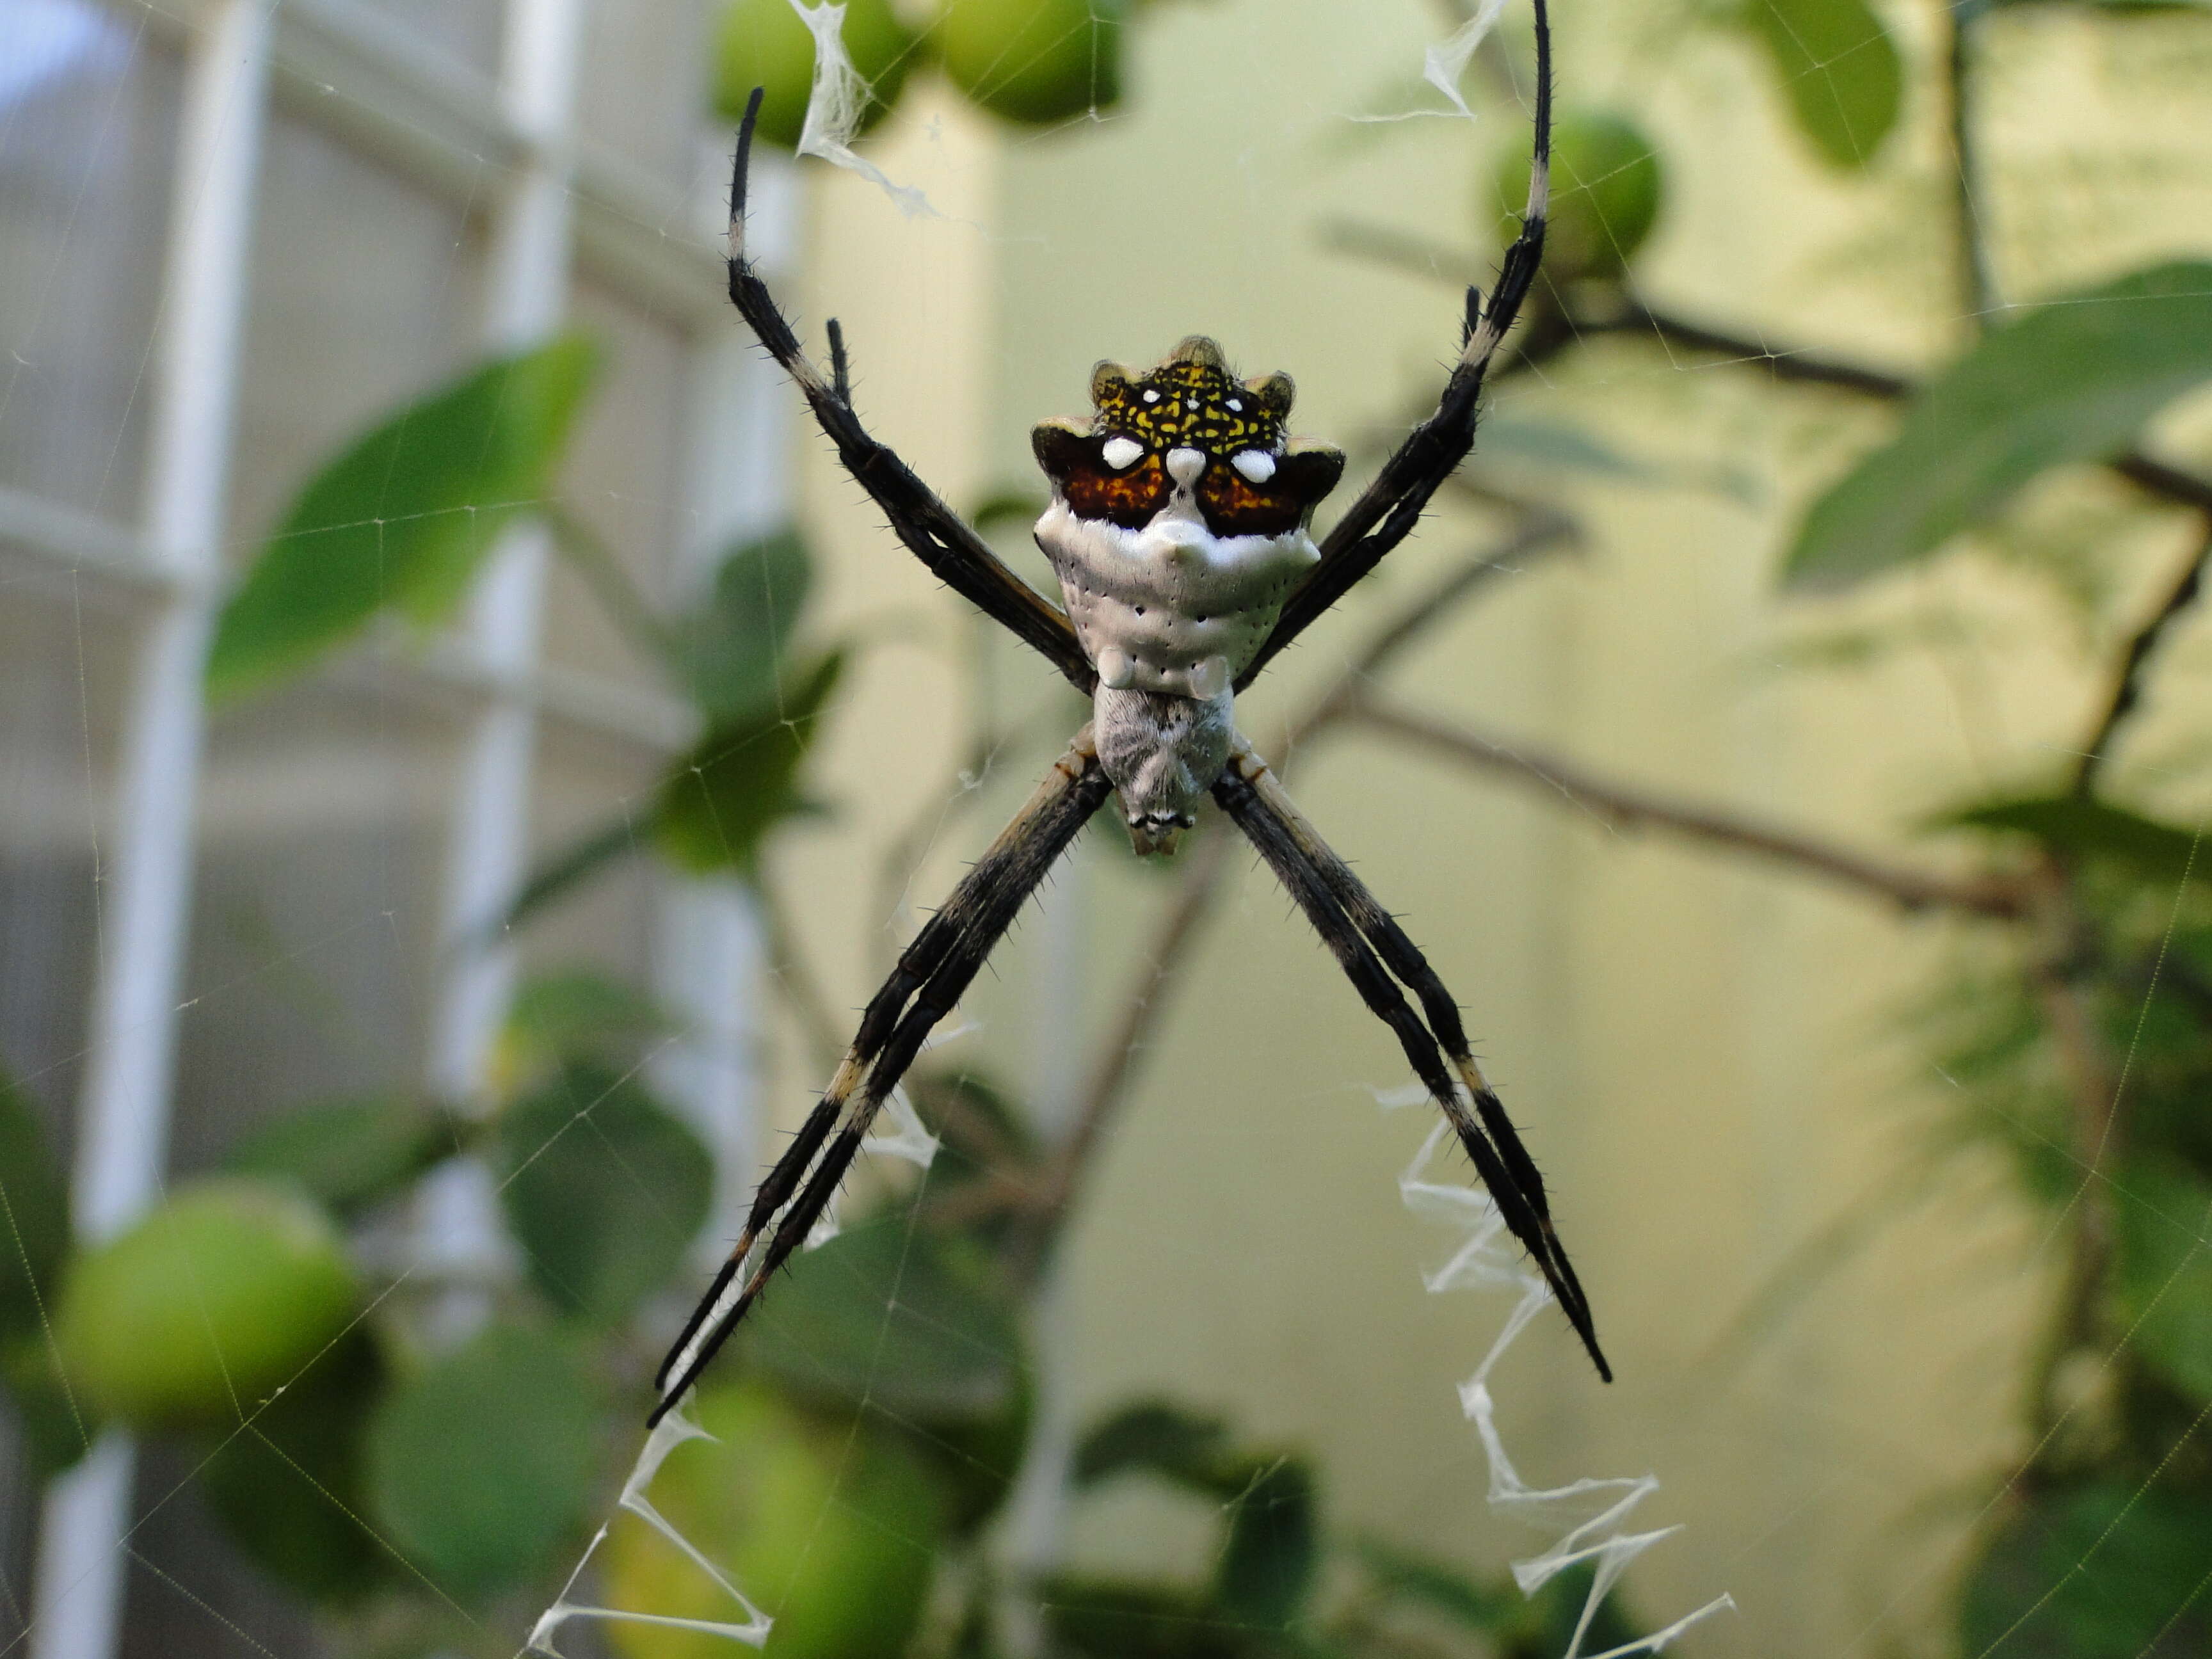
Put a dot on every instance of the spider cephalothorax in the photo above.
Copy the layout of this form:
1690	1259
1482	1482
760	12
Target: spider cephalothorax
1179	531
1177	527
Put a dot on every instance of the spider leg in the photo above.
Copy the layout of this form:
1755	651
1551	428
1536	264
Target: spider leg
954	553
1371	947
933	973
1386	512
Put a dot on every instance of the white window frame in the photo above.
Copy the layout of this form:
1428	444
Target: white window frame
564	202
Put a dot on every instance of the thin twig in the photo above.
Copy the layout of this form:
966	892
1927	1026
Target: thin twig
2060	977
611	585
1544	530
1909	890
2127	677
2160	479
1790	363
1978	287
1050	1198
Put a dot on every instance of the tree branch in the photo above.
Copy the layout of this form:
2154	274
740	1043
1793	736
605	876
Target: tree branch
2127	677
2186	489
1547	332
1793	364
1909	890
2153	477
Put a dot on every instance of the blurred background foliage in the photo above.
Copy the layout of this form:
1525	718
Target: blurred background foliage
424	1462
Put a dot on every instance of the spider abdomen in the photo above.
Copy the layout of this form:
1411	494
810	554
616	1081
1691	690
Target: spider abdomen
1177	529
1171	607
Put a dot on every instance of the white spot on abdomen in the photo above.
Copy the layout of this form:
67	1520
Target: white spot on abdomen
1257	464
1120	453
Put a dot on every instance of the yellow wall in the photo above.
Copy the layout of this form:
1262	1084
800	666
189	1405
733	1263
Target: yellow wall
1707	1055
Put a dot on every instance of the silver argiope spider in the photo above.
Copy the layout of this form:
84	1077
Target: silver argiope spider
1178	529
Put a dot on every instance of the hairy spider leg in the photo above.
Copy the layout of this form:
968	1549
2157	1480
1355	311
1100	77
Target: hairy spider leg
1389	507
1403	957
954	554
1364	937
932	973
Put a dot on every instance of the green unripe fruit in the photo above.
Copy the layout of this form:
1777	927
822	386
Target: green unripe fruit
831	1531
206	1307
1606	191
765	44
1034	61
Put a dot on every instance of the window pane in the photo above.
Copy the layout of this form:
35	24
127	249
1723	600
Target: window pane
645	80
315	908
466	31
582	783
624	479
64	674
87	119
365	292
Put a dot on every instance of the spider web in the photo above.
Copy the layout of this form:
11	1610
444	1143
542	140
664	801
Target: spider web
1488	1258
356	944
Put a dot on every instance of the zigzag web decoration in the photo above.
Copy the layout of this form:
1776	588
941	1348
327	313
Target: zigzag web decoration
904	1137
1488	1259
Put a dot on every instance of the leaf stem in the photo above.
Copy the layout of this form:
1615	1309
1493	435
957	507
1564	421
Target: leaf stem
1977	282
2127	676
611	584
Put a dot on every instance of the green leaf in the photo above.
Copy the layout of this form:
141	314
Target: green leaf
1005	508
1540	1626
581	1016
897	1315
719	803
55	1425
1267	1566
1486	1608
35	1217
480	1468
2101	1572
1267	1561
2072	381
288	1487
983	1133
730	651
2094	828
1103	1618
346	1155
605	1190
1838	70
2110	5
2166	1271
403	518
1159	1437
1556	1611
